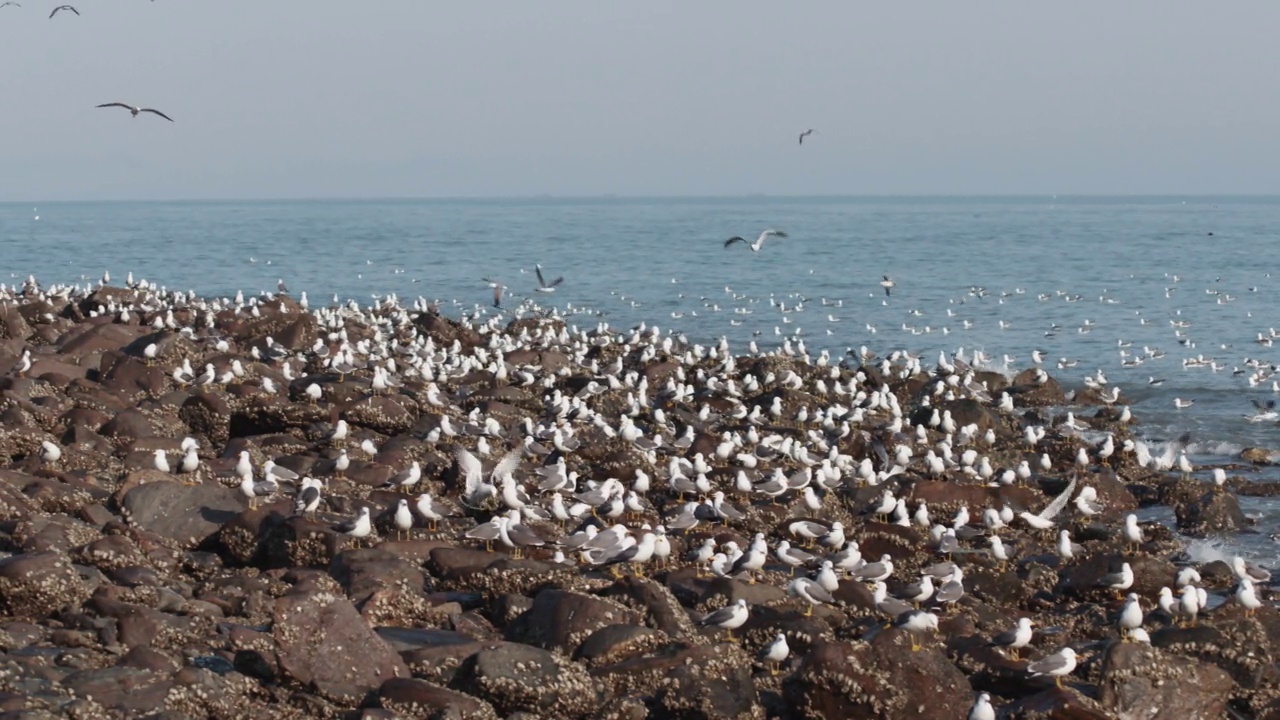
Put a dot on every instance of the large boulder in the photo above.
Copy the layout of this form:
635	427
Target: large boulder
1137	678
38	584
881	679
514	677
561	620
185	514
323	642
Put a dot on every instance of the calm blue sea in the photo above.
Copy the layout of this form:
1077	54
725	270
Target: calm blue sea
1101	265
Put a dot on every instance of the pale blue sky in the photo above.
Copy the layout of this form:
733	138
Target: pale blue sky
307	98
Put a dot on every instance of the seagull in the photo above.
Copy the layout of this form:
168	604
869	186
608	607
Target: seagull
543	285
759	243
498	289
916	621
403	519
1130	616
888	285
10	3
132	109
1246	596
1057	665
1044	519
982	709
254	490
729	617
805	134
308	498
61	7
49	452
1118	581
358	527
431	510
775	653
1249	571
1014	639
811	591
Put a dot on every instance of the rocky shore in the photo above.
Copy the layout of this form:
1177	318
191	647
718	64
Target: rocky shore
132	590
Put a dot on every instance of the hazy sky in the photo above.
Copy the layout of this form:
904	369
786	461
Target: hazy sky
339	98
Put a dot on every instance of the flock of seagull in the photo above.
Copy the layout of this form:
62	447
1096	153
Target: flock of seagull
528	480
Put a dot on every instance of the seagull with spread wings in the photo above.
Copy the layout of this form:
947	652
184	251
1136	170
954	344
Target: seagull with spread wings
498	289
759	243
543	285
131	108
805	134
62	7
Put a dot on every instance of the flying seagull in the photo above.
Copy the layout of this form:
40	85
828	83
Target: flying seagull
7	4
61	7
805	134
543	285
887	284
131	108
759	243
498	289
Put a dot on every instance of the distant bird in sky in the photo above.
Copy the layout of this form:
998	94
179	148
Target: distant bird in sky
10	3
61	7
543	285
805	134
132	109
759	243
887	284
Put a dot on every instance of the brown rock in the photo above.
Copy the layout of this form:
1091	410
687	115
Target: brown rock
880	679
514	677
207	414
323	641
127	425
1137	678
38	584
130	689
185	514
420	699
1212	513
562	620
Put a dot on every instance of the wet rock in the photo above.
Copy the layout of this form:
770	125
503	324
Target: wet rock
1257	456
1137	678
322	641
514	677
1212	513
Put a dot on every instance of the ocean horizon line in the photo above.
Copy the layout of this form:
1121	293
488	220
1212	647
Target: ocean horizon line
620	197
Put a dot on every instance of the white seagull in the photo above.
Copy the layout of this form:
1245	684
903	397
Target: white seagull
759	243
